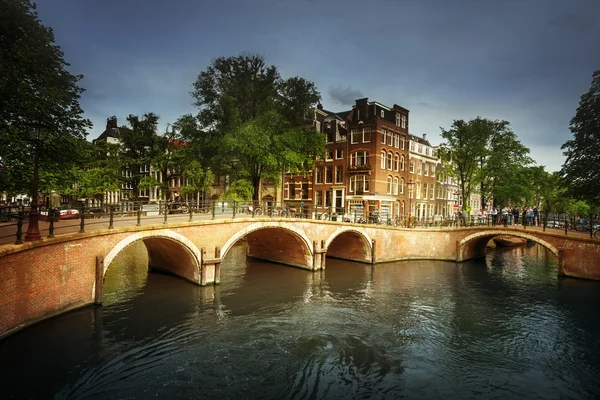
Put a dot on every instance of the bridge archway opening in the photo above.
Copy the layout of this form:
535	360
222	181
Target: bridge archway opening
350	245
475	246
169	252
279	245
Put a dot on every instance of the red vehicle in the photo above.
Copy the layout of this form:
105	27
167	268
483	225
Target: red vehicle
68	213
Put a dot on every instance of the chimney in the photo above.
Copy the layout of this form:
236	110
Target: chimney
320	106
111	122
424	136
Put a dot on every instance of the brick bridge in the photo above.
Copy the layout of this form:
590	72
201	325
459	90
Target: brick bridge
42	279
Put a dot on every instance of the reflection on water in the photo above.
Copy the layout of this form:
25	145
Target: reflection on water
503	327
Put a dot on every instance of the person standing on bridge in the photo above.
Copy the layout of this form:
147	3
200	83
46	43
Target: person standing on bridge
494	214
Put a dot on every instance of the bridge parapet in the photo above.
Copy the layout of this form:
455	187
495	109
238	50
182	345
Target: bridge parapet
45	278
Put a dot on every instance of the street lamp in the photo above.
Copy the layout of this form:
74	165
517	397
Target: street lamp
410	189
37	133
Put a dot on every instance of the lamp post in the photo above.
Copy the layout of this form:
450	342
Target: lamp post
410	189
37	132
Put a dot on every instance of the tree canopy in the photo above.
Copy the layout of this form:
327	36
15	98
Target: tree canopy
36	87
486	156
253	121
581	170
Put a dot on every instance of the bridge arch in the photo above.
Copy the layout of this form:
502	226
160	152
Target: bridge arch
349	243
275	241
168	251
474	245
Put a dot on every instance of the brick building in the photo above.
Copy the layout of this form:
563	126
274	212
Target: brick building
365	165
422	164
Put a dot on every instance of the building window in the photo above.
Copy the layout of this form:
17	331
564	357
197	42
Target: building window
383	135
402	143
382	114
329	155
432	192
411	166
319	198
292	190
389	185
412	146
330	135
433	170
426	173
396	185
396	161
389	160
397	119
359	158
328	198
339	174
419	168
418	185
403	121
355	136
421	148
396	140
402	162
359	184
339	153
319	175
426	151
426	187
305	190
328	175
366	135
390	140
383	155
402	185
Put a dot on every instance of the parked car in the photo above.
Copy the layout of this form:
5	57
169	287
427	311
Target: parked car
67	213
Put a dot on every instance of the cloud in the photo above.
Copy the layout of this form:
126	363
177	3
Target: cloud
344	95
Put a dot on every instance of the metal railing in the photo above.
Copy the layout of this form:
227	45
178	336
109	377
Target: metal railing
138	214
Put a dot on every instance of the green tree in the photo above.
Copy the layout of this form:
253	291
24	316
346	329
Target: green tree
581	169
461	153
140	145
35	86
253	121
503	167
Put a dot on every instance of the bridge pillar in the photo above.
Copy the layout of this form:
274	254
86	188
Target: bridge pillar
561	261
319	253
373	248
99	282
210	270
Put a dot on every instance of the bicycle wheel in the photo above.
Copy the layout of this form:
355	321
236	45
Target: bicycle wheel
597	234
258	211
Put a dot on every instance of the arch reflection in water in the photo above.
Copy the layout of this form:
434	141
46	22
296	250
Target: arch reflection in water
504	326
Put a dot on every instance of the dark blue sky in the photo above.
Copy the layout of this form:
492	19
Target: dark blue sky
525	61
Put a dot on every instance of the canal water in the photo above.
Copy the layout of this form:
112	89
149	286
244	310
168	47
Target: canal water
503	327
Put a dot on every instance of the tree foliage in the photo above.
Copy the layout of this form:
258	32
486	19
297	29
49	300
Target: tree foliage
486	156
36	86
253	121
581	169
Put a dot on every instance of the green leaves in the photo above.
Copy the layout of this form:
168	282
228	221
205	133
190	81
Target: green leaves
581	169
487	156
35	86
254	121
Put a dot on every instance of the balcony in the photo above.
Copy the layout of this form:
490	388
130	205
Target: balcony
359	169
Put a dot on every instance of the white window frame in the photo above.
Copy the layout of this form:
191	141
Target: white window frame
383	135
396	185
396	161
390	160
403	118
396	140
353	132
364	138
389	184
402	162
383	158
